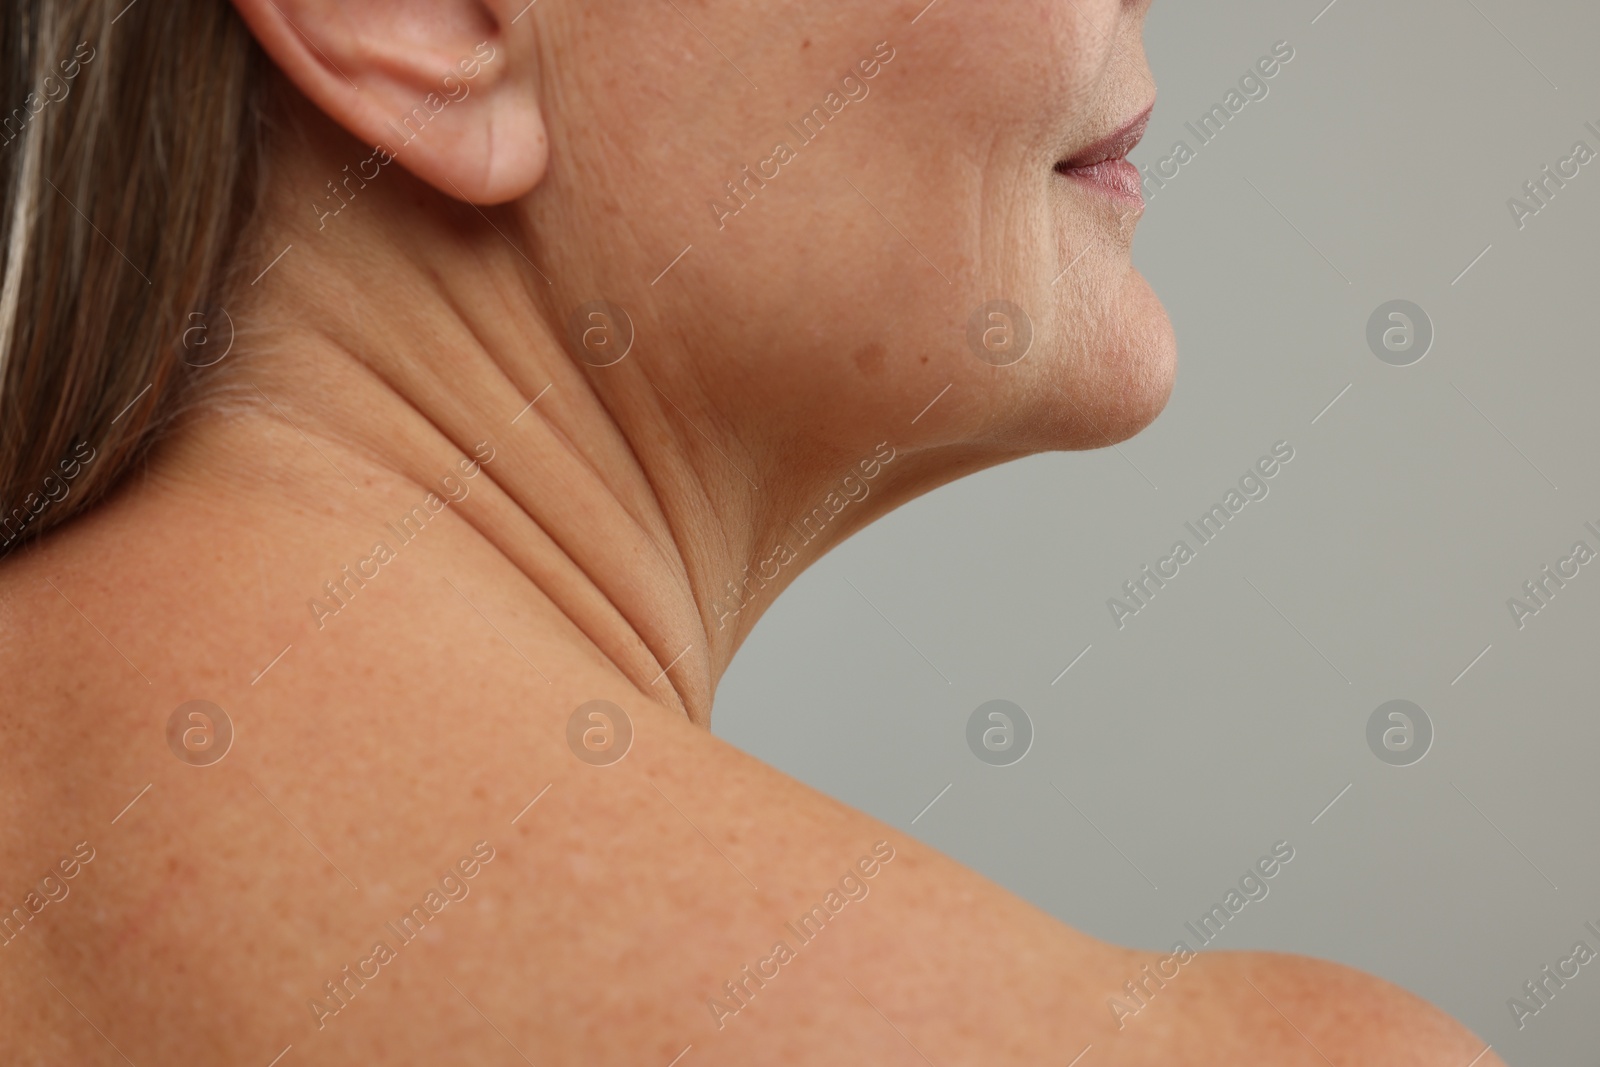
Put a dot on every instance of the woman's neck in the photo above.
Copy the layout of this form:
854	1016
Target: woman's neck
370	358
370	361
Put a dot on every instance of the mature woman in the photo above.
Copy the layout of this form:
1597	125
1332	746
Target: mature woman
408	408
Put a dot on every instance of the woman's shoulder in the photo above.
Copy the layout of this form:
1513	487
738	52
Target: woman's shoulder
435	826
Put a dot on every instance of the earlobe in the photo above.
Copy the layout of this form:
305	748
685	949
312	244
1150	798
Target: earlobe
446	87
515	149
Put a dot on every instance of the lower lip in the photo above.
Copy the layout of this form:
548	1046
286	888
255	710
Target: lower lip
1117	177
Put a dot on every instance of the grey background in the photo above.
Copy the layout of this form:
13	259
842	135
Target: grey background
1225	717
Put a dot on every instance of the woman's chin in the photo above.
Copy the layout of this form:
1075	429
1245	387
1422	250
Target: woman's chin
1096	394
1137	375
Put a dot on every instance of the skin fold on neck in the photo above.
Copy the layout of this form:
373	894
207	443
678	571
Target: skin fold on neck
372	357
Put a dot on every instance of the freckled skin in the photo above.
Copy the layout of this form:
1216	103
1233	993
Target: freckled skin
434	710
869	358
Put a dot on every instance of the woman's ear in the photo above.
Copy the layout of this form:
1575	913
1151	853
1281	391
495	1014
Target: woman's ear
447	87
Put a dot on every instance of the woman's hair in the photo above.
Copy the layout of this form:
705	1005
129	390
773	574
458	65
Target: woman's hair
130	150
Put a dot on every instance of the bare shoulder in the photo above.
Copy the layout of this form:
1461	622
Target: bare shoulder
435	830
1268	1007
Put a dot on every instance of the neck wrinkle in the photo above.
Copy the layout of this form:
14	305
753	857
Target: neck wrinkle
589	528
411	327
